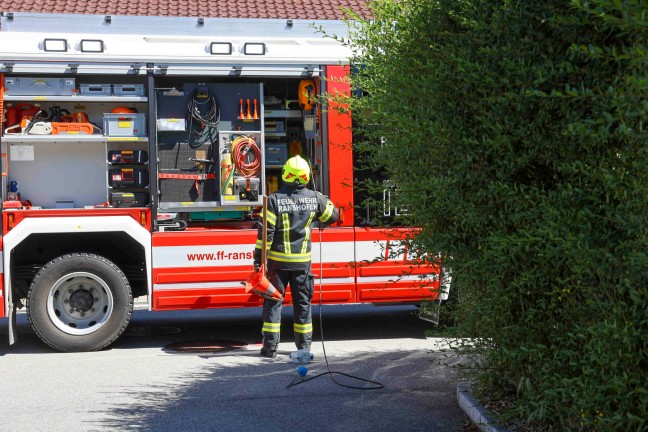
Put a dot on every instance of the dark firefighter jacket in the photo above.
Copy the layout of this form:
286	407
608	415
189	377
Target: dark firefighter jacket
291	212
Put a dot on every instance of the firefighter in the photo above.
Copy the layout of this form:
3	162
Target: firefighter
291	212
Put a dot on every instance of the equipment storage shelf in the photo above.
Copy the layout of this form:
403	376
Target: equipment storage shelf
80	98
62	164
13	139
271	113
275	134
128	175
277	126
67	174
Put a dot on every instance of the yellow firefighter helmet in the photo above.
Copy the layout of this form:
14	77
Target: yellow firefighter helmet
297	170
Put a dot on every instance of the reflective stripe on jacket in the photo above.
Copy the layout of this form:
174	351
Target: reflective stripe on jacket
291	213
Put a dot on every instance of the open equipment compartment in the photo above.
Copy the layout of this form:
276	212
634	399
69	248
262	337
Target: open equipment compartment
241	169
61	160
197	124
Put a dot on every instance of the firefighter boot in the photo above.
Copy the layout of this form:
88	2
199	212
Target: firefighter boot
267	352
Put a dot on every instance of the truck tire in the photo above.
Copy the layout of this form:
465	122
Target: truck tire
79	302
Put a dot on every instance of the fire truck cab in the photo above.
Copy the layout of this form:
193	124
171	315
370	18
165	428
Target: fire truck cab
135	155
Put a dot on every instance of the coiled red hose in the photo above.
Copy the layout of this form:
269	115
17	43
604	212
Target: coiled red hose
246	155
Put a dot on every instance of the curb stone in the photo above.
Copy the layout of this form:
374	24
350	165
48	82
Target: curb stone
483	418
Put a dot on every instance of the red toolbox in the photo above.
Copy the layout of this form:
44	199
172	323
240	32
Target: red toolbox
128	177
127	156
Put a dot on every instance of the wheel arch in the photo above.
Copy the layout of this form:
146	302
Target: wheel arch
107	236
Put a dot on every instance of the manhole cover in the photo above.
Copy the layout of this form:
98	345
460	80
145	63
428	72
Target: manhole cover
151	331
205	346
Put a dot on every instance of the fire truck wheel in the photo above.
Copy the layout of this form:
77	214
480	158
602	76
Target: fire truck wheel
79	302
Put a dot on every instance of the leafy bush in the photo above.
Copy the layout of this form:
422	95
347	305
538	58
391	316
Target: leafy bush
516	133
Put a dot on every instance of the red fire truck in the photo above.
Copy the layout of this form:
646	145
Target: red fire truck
135	155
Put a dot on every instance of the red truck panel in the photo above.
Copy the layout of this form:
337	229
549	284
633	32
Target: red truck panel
339	146
385	278
204	269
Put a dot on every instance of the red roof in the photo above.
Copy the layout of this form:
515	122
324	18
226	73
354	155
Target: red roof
280	9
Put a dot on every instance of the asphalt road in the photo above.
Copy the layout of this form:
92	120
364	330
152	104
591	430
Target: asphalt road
138	384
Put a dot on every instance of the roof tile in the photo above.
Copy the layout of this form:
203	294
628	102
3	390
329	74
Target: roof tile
289	9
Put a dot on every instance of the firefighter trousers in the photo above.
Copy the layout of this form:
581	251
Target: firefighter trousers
301	283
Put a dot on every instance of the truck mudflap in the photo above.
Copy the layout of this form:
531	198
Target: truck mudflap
3	305
8	310
11	314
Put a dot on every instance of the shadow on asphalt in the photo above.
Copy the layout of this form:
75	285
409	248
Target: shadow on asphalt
240	391
417	397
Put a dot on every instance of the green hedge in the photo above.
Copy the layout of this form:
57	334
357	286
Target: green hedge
516	133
